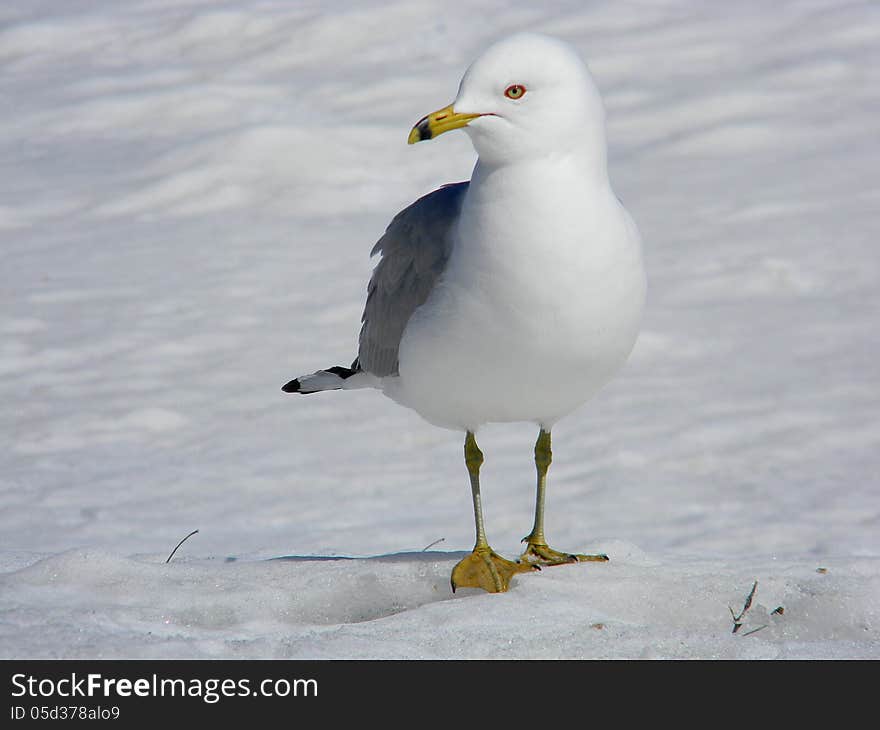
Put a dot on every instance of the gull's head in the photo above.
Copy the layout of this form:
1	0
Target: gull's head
528	96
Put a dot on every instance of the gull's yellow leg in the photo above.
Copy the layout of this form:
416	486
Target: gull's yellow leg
537	551
483	568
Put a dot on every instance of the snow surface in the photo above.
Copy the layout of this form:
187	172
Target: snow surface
173	251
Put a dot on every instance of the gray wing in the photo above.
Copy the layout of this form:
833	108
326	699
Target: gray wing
415	249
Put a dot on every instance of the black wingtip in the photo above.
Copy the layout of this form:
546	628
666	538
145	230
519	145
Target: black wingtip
292	386
341	371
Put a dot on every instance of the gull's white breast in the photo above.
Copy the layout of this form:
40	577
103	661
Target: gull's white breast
539	305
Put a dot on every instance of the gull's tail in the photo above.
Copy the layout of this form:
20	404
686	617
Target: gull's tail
330	379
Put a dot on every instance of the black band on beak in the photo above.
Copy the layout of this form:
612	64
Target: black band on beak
424	130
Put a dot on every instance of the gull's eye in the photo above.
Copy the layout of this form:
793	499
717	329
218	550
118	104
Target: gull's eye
515	91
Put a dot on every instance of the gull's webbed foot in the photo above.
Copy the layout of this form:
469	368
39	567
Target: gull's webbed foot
486	569
539	553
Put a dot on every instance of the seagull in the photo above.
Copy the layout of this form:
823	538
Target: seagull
514	296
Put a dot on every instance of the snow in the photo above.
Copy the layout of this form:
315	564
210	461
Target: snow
173	251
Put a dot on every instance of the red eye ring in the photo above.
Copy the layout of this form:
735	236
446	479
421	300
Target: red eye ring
515	91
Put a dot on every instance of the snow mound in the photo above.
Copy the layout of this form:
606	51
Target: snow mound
85	603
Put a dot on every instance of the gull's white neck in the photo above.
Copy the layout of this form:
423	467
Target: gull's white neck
579	171
571	188
537	225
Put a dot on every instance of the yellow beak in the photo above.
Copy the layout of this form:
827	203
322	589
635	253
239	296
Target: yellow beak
439	122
